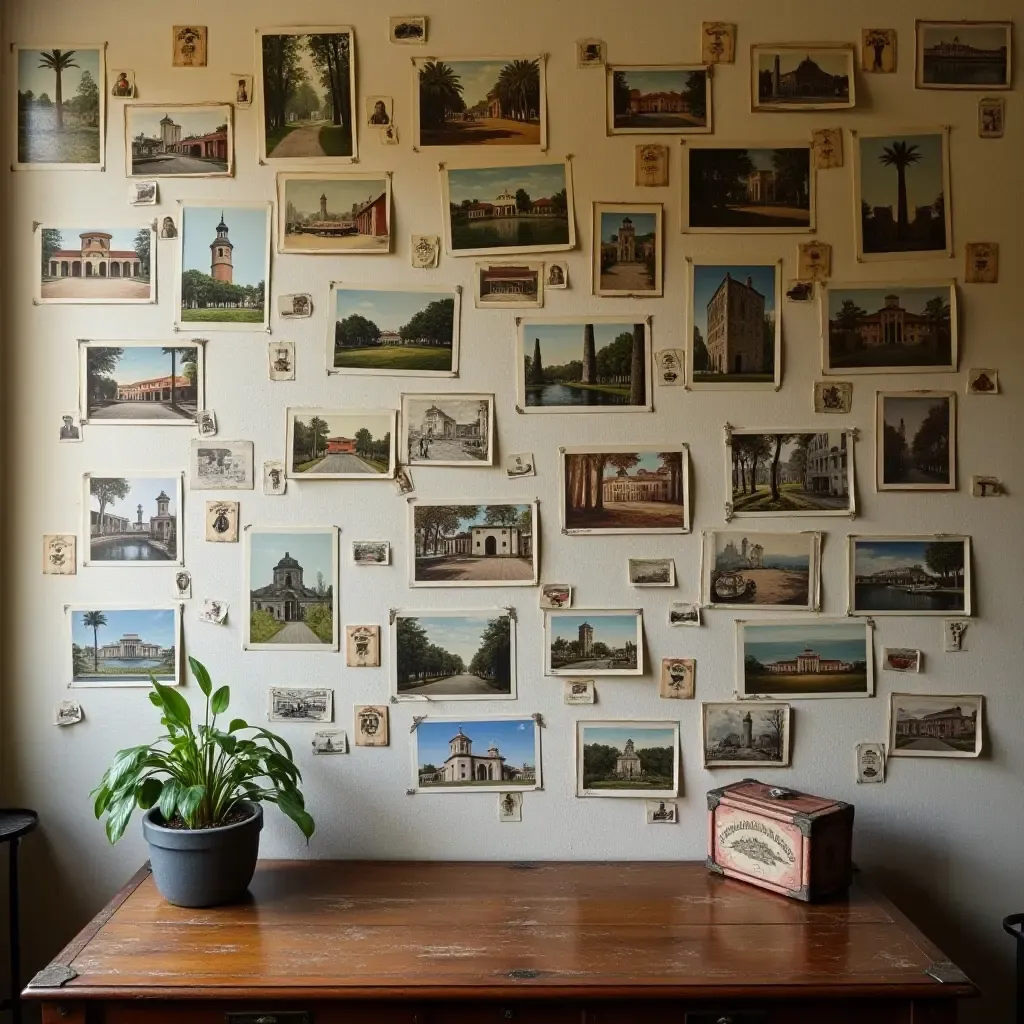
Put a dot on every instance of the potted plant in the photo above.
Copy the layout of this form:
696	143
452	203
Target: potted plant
201	789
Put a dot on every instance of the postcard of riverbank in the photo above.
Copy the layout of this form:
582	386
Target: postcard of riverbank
575	364
910	575
476	755
454	655
503	210
120	645
777	571
627	758
132	519
599	643
935	725
398	332
804	658
625	489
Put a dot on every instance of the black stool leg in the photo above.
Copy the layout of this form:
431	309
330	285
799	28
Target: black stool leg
14	937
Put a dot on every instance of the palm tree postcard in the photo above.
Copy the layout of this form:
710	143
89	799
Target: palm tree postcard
334	213
140	382
659	100
501	210
619	489
480	102
910	575
85	265
895	327
915	441
474	544
454	655
306	94
901	190
802	77
341	444
124	645
179	140
596	642
132	520
789	473
61	108
583	364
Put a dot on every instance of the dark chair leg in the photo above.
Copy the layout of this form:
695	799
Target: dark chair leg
14	931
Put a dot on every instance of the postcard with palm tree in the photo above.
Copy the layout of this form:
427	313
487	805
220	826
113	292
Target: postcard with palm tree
122	645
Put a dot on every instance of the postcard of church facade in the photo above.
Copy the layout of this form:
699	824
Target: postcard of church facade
627	759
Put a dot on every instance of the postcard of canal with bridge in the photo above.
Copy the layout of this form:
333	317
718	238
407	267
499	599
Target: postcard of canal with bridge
132	520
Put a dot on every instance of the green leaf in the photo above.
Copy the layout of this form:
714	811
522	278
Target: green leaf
202	676
189	800
118	819
219	701
169	799
175	706
238	723
226	742
102	800
294	810
148	793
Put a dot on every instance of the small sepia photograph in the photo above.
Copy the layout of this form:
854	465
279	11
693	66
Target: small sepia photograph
455	429
833	396
494	754
964	55
131	520
188	46
213	611
520	464
658	99
615	489
590	53
168	229
380	111
341	444
778	571
991	117
555	595
60	554
86	266
242	84
454	655
510	807
143	193
388	135
222	522
330	741
122	84
179	140
915	435
425	251
206	422
983	381
981	262
669	366
682	613
299	704
333	214
371	552
661	812
371	725
70	430
935	725
678	678
556	275
403	481
68	712
408	29
362	646
607	643
509	285
910	575
746	735
878	50
627	758
183	585
281	360
274	480
871	762
806	77
651	572
901	659
650	165
717	42
123	645
579	691
628	261
804	658
479	544
800	291
987	487
827	148
216	465
295	307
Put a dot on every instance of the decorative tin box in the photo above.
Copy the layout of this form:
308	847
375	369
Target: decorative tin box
789	842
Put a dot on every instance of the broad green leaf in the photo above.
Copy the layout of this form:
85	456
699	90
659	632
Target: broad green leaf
238	723
189	801
202	676
294	811
169	799
148	793
118	819
102	800
219	701
226	742
174	704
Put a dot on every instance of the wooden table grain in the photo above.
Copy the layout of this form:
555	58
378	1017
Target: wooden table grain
457	942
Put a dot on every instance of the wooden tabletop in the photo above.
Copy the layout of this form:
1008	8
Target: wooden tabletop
353	929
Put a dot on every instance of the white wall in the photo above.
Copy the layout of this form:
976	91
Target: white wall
943	836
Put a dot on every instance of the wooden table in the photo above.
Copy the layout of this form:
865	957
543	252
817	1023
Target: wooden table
326	942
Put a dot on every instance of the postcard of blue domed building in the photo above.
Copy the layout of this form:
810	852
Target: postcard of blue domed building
123	645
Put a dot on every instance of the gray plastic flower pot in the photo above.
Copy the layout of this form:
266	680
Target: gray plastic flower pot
205	867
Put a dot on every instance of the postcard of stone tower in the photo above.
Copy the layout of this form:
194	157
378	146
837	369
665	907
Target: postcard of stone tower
596	642
627	759
179	140
628	250
336	214
123	644
746	735
79	265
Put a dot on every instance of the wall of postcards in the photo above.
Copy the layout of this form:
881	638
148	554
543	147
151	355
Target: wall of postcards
523	410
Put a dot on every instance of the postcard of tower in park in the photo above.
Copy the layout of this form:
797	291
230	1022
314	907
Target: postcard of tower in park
596	642
627	758
749	735
576	364
192	140
91	265
122	645
131	519
627	259
223	266
333	213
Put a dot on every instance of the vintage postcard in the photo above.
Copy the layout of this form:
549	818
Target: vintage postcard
297	306
274	480
576	364
981	262
734	323
901	188
983	381
661	812
492	754
341	444
509	285
915	441
778	571
833	396
330	741
371	725
519	465
555	595
68	712
799	291
111	265
140	382
954	635
142	193
987	487
388	136
179	140
122	645
306	94
814	261
380	111
213	611
805	77
508	209
579	691
871	762
333	214
889	328
189	46
629	259
678	678
717	42
371	552
590	53
991	117
380	330
935	725
362	646
669	367
510	807
557	275
682	613
59	554
473	544
222	521
299	704
242	84
454	429
454	655
909	575
494	102
131	520
803	658
291	588
658	99
746	735
827	148
878	50
964	55
70	429
281	360
617	489
606	643
408	29
901	659
651	572
52	133
627	758
206	422
183	585
221	466
790	473
425	251
403	481
650	165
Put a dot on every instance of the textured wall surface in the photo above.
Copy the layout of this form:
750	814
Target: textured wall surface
943	836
